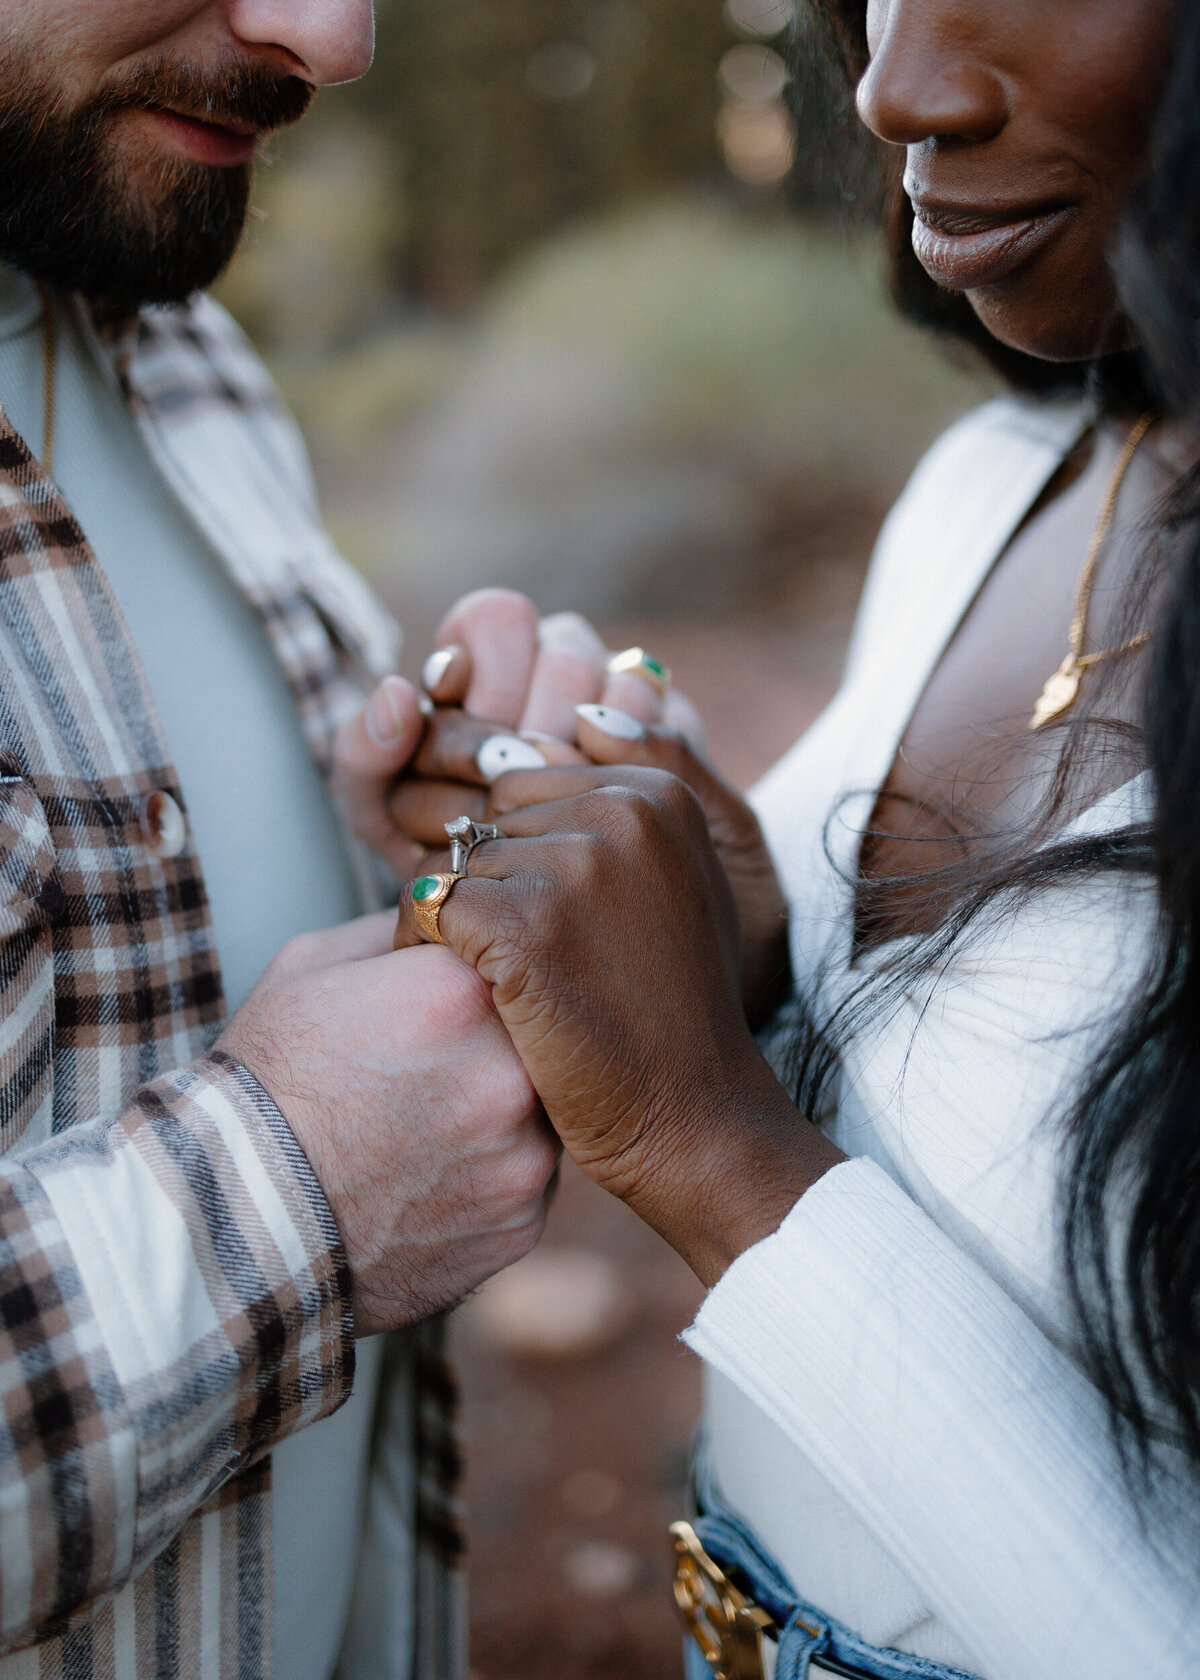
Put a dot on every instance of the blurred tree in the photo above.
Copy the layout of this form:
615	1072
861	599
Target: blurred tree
511	116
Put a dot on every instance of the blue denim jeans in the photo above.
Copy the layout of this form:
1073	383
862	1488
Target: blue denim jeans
804	1633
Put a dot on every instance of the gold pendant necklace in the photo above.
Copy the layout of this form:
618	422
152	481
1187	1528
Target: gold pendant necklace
50	376
1062	689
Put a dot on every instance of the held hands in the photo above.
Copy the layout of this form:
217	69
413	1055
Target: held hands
498	663
605	924
403	776
415	1113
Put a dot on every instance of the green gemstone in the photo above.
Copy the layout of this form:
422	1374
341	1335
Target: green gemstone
425	888
655	665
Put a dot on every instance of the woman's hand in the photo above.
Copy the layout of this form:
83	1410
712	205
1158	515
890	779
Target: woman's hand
617	745
605	924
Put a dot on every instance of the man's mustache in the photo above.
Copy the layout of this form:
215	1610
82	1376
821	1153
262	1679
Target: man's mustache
234	95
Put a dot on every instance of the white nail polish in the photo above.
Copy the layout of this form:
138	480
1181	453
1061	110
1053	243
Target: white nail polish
435	668
612	722
507	752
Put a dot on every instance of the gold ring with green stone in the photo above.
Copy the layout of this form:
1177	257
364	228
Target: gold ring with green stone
635	661
429	893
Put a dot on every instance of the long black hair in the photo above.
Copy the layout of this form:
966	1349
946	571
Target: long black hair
1131	1189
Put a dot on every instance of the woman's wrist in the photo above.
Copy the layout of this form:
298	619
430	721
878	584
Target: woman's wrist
722	1179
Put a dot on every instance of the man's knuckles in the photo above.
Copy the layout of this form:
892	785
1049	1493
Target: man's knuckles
453	999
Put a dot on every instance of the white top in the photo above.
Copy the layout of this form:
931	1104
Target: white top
893	1399
274	860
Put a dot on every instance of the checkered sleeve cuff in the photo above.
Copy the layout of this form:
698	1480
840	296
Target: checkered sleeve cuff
208	1282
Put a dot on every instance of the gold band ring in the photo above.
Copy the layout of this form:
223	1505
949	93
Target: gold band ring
429	893
636	662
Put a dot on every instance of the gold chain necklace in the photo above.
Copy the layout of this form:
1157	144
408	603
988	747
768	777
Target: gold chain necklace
50	375
1062	689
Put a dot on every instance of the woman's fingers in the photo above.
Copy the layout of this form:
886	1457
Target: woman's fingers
462	925
569	670
446	675
460	748
421	809
369	751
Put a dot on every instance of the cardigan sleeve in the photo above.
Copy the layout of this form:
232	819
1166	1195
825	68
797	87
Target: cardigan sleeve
174	1299
970	1445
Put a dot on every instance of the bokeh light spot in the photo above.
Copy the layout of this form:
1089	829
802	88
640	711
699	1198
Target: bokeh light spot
753	73
761	18
757	141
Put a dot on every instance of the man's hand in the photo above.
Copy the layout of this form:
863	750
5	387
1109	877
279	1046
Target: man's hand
408	1099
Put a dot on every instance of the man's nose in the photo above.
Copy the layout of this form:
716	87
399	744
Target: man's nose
322	41
927	79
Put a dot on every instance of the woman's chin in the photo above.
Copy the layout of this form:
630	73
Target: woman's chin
1046	330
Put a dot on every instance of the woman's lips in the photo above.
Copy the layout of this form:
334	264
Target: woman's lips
963	249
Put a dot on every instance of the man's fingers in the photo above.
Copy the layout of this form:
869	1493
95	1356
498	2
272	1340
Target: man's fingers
369	752
569	670
636	696
498	630
356	941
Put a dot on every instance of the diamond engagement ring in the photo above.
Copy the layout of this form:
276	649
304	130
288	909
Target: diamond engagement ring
465	834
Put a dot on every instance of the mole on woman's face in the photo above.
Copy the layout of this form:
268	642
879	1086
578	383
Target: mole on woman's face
1024	124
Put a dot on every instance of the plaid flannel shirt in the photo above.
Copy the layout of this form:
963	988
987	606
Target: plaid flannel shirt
173	1294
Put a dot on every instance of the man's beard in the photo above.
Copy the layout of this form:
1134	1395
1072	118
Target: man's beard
81	212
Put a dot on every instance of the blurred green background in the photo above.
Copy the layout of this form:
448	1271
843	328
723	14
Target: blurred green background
582	297
564	301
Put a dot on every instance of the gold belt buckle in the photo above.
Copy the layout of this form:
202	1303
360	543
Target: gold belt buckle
727	1626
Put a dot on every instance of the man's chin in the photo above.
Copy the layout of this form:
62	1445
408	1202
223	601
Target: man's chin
122	216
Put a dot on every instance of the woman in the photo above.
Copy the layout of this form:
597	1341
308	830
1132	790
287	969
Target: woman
952	1415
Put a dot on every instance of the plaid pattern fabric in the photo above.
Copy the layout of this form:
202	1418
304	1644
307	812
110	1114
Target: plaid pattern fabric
173	1295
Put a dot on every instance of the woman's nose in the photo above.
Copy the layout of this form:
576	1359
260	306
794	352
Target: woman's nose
929	77
324	41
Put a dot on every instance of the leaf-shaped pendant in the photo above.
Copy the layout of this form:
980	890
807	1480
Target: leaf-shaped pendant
1058	695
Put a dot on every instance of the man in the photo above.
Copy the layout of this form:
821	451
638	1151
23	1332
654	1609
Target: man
198	1213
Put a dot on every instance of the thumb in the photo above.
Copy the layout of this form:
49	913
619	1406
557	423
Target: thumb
369	752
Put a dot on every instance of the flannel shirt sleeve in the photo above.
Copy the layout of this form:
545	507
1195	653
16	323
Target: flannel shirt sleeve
174	1299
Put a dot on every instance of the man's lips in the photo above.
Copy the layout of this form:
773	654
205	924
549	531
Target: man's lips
963	247
225	145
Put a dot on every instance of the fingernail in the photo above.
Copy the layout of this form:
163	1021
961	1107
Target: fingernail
427	706
435	668
539	735
384	716
507	752
609	721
